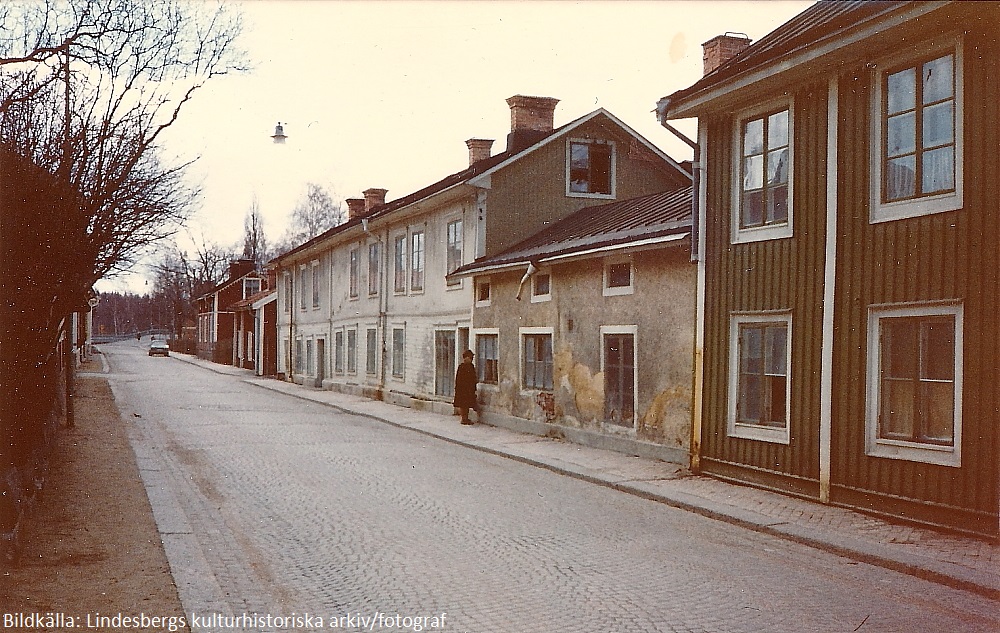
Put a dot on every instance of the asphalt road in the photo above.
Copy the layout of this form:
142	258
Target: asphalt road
272	505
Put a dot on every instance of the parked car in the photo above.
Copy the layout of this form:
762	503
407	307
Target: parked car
159	348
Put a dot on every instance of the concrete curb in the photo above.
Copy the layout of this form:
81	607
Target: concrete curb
859	549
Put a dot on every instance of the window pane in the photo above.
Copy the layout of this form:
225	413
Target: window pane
753	137
902	135
775	353
619	275
901	177
753	172
900	348
775	400
938	170
777	129
937	79
777	205
898	415
939	124
751	350
541	285
938	407
749	401
901	89
777	167
938	350
753	209
600	169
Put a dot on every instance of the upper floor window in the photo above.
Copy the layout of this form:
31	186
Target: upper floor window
251	286
373	268
919	158
759	389
762	197
417	261
302	287
355	272
288	291
617	278
591	168
483	291
915	383
315	284
399	264
454	245
541	287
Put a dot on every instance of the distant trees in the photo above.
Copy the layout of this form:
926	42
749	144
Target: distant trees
255	244
315	213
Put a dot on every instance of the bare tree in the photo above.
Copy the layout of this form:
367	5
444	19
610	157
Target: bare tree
255	246
315	213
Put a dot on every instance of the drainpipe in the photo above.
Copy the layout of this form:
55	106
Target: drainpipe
697	255
384	313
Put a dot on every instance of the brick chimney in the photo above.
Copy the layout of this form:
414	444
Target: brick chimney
374	198
530	120
721	48
240	267
355	207
479	149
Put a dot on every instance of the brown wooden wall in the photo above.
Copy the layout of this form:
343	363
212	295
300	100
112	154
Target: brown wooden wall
944	256
779	274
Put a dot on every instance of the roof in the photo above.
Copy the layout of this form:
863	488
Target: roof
254	298
620	224
253	274
822	22
480	168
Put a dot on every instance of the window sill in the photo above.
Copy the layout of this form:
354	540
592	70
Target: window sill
759	433
761	233
914	452
619	291
598	196
541	298
890	211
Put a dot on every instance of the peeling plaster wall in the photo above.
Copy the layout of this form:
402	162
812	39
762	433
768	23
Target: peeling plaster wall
662	311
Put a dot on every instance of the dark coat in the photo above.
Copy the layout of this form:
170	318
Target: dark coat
465	386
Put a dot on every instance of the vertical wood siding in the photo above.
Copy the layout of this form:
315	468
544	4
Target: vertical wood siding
780	274
944	256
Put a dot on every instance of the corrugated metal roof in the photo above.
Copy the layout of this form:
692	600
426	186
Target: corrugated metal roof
617	223
823	20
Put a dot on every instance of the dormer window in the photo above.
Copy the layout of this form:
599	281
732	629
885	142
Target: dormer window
591	168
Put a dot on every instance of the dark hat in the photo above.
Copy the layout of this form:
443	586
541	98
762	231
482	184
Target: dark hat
468	353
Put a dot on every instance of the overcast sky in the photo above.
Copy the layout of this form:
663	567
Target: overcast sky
384	94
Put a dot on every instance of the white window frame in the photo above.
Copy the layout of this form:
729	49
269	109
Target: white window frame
310	364
487	331
339	345
374	268
740	235
287	290
400	256
925	205
634	331
616	291
901	449
354	272
521	333
450	266
481	281
753	431
613	170
398	373
371	350
351	362
302	288
315	284
421	259
538	298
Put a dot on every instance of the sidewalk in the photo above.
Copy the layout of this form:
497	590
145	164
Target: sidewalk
954	560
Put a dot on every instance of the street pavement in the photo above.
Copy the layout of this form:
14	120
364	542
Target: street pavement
275	499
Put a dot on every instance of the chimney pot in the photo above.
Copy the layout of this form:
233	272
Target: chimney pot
479	149
721	48
531	118
355	207
374	198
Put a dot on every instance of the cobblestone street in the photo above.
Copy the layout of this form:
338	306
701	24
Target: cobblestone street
274	505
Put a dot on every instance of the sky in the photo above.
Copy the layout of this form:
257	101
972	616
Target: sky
385	94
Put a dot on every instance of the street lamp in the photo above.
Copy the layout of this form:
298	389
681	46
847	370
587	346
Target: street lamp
279	134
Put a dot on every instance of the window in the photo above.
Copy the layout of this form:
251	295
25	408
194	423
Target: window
310	357
371	350
299	357
454	256
762	195
617	278
302	288
398	352
417	261
541	287
315	284
483	292
620	374
487	357
915	383
918	164
537	358
338	351
399	264
352	351
355	273
288	291
591	168
373	268
250	287
759	389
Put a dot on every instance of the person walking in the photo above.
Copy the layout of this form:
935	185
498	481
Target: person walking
466	378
